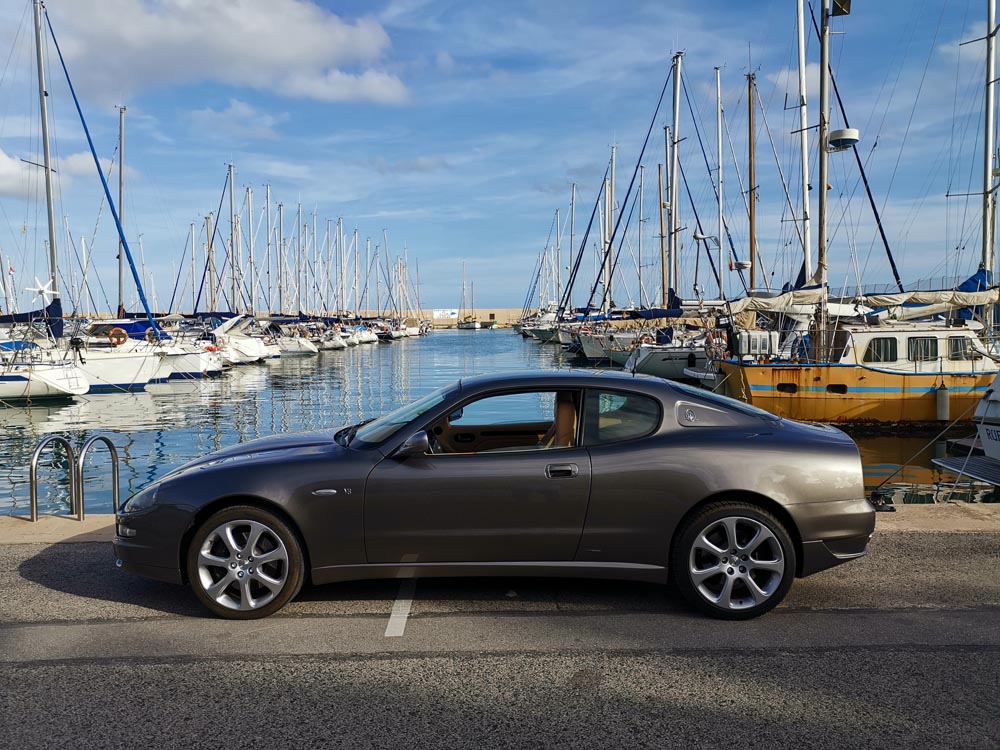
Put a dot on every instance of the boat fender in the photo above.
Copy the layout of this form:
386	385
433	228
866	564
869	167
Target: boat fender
117	336
151	336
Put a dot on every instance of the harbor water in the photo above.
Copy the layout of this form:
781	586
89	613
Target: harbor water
172	423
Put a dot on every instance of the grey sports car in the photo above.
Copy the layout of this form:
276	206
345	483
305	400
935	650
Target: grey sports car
567	473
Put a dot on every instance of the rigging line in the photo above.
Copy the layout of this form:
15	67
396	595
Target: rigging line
614	263
181	271
725	224
13	47
211	241
708	251
104	182
861	167
567	293
635	174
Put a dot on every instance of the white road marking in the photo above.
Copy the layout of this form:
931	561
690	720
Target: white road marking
401	607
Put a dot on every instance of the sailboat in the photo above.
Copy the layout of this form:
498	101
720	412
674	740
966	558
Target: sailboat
884	365
26	373
467	319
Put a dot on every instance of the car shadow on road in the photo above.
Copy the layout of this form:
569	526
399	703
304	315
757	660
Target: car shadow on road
85	573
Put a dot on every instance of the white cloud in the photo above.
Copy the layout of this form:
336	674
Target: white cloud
15	177
238	120
288	47
787	80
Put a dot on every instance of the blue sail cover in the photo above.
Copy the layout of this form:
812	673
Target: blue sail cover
980	281
51	315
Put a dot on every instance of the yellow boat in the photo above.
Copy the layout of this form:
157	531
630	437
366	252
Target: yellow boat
905	372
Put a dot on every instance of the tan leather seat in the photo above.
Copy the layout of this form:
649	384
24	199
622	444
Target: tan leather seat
562	433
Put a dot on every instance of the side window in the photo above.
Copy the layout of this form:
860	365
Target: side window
881	350
522	421
616	416
921	348
960	348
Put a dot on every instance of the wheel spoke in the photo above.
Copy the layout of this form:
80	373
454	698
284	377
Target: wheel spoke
725	597
209	560
229	540
274	584
729	524
771	566
698	577
256	530
216	589
759	594
703	543
246	599
276	555
763	535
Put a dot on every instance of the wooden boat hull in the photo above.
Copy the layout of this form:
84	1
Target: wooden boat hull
851	393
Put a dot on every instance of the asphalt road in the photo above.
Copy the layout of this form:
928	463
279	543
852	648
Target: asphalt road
901	649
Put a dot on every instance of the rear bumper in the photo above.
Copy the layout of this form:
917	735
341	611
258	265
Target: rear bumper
832	533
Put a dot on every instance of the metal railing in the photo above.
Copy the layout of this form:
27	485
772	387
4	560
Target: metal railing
75	476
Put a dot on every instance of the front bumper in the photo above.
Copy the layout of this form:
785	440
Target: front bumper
148	544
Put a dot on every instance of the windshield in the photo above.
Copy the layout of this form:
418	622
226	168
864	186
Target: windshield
379	429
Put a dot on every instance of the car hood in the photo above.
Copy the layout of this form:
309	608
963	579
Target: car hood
262	449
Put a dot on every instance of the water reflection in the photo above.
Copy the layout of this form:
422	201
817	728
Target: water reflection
172	423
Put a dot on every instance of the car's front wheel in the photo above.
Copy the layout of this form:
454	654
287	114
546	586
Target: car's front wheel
244	563
733	561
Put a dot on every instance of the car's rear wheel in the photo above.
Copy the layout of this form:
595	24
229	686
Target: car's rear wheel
244	563
733	560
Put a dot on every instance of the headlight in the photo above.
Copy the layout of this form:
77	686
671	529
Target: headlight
142	499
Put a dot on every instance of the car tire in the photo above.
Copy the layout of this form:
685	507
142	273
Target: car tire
733	560
244	563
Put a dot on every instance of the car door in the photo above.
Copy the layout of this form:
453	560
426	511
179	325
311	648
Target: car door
515	504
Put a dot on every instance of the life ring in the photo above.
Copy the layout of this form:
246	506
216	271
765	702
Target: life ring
646	338
151	336
117	336
211	348
268	340
585	330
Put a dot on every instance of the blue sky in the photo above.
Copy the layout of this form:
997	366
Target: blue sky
457	128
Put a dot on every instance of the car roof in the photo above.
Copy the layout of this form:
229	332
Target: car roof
561	378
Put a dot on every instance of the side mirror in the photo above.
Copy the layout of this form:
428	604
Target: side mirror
455	415
415	445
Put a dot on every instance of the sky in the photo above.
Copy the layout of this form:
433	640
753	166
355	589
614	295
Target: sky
456	130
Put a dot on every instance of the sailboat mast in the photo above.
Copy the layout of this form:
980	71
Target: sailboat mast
752	179
572	231
663	234
354	244
210	252
722	225
674	175
804	143
121	209
298	260
824	134
194	292
988	196
267	252
250	234
46	152
642	180
232	237
281	257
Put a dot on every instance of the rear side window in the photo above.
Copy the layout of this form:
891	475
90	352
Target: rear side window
881	350
616	416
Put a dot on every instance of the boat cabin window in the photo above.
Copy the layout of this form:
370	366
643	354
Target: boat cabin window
882	349
960	349
921	348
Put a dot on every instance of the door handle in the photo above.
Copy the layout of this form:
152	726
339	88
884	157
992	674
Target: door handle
561	471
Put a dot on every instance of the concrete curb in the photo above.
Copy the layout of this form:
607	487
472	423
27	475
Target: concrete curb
945	517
